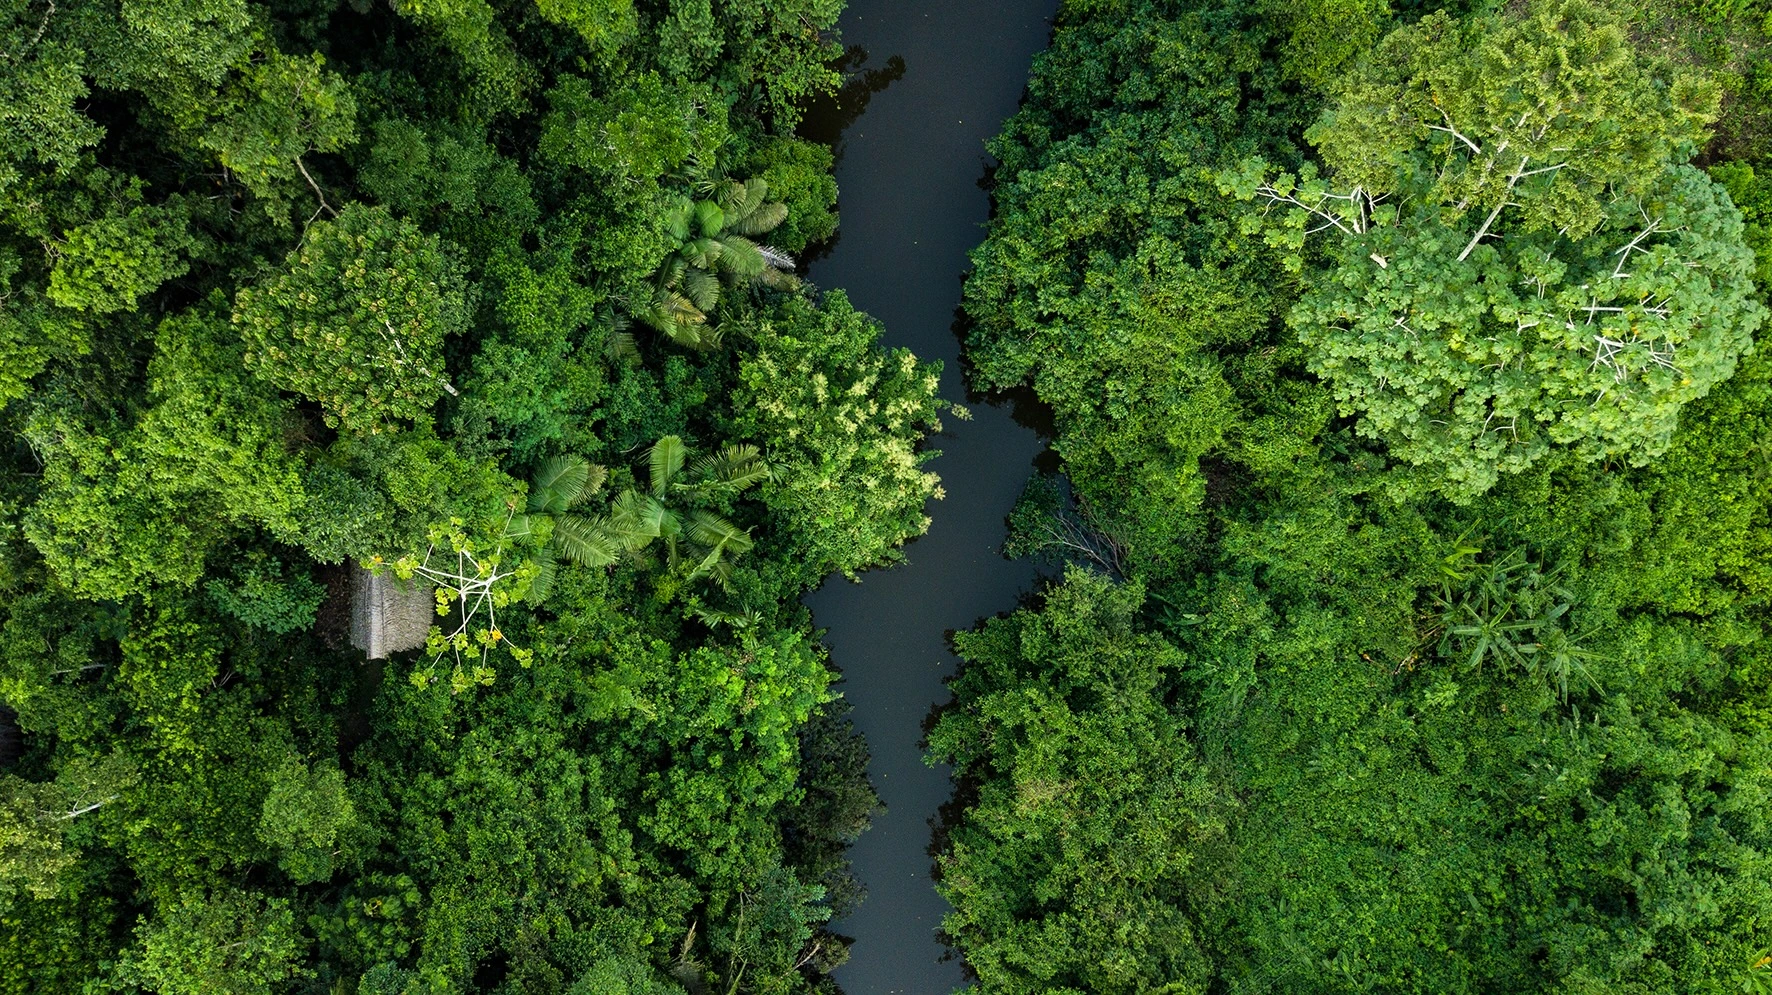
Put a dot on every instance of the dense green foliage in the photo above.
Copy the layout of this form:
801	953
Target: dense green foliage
1350	688
293	286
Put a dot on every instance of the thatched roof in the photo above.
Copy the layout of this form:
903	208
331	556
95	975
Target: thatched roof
389	615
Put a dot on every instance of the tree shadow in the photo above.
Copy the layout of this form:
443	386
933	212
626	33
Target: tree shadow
828	116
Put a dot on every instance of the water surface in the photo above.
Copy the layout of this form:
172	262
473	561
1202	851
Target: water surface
935	79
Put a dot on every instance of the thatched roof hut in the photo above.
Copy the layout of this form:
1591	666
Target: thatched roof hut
388	614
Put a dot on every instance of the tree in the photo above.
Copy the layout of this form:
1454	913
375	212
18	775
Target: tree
278	110
1551	111
356	319
1478	368
305	813
1069	870
34	819
124	507
674	510
1619	294
713	247
225	940
843	420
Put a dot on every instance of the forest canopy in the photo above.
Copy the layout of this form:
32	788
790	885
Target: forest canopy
1405	619
495	300
1412	631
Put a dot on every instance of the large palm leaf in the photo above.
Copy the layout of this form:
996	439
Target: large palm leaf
543	583
666	462
766	218
584	542
740	257
636	519
703	288
563	482
678	218
716	539
735	468
710	220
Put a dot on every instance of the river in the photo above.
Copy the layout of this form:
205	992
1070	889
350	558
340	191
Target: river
945	74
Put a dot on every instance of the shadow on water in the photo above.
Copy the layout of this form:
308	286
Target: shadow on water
829	115
928	82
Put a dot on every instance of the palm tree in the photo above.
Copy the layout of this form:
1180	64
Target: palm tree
714	250
561	483
667	510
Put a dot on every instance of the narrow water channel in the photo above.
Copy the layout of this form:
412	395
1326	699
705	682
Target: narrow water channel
945	74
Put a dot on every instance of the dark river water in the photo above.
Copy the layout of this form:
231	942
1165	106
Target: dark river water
933	80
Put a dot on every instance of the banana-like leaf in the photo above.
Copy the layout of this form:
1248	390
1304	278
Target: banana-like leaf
709	219
703	288
766	218
666	462
519	525
740	257
584	541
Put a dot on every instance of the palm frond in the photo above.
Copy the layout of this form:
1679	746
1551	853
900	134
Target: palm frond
766	218
634	520
710	220
704	252
710	531
670	308
584	541
666	462
756	191
776	257
704	338
670	272
703	288
677	221
623	346
543	583
564	481
735	467
730	197
741	257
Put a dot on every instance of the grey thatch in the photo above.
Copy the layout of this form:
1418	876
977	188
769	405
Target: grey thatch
389	615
